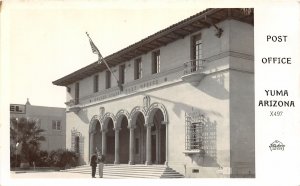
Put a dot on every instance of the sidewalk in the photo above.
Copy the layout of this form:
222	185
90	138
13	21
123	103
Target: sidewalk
49	174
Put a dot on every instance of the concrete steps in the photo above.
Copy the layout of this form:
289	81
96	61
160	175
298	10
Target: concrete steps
130	171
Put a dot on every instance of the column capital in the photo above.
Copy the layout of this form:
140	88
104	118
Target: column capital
149	124
131	127
164	122
117	129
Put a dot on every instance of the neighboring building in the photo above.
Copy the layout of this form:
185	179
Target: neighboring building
187	99
51	119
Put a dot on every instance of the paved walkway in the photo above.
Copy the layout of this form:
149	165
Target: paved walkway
54	174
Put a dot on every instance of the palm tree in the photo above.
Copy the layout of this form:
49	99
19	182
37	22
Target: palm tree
26	136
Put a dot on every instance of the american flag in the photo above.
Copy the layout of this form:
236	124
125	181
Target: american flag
95	50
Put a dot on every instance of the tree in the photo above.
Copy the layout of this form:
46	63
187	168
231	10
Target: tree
25	136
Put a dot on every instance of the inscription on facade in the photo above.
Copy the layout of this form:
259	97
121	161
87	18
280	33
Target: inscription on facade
127	90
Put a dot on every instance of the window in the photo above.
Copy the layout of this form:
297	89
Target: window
196	52
194	131
156	62
76	93
108	79
19	109
122	74
56	125
96	79
77	144
138	68
194	136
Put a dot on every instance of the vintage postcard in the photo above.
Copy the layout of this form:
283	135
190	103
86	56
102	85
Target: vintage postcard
98	92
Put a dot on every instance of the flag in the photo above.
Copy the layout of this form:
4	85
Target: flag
95	50
101	59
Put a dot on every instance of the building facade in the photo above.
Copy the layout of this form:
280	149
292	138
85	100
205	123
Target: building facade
186	99
51	119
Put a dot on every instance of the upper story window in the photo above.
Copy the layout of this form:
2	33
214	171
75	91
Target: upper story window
108	79
138	68
17	109
156	62
56	125
122	74
96	86
196	58
76	93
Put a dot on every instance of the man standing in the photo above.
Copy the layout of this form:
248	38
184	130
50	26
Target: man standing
100	160
93	163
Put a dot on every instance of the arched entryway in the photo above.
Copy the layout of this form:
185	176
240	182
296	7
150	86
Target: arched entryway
95	136
158	138
109	141
124	140
157	118
140	139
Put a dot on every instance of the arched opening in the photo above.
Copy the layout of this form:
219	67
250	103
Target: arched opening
124	140
158	137
110	142
95	136
140	139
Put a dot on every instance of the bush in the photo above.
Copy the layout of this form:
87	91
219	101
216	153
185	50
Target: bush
43	159
63	158
57	158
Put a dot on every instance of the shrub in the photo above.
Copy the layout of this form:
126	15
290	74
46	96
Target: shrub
63	158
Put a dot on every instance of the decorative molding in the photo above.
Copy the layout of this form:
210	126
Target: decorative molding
104	117
133	112
122	112
75	133
92	125
101	112
146	101
154	106
119	115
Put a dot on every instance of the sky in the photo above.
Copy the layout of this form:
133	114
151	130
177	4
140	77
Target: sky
47	40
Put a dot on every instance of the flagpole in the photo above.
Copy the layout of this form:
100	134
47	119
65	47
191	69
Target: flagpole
100	58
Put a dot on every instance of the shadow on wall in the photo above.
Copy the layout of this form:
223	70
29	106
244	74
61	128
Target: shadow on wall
83	115
180	107
209	139
213	85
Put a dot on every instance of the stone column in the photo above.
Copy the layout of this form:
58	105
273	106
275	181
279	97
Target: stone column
167	149
148	144
104	142
92	144
158	144
157	138
131	146
117	146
